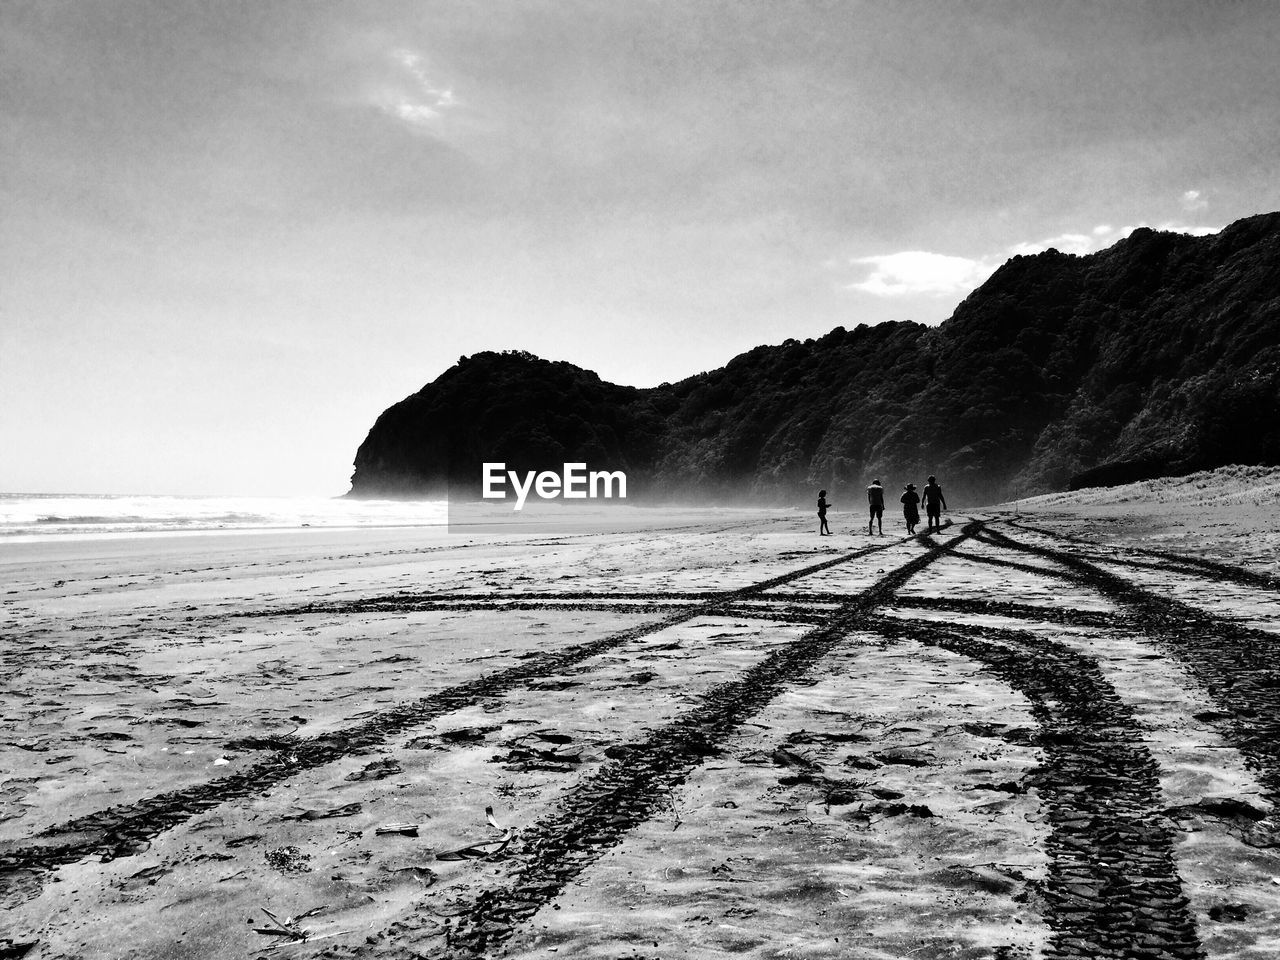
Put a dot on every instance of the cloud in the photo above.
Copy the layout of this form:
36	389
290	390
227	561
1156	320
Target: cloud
415	98
918	272
1192	201
914	272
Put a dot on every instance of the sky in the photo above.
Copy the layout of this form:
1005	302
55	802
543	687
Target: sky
232	232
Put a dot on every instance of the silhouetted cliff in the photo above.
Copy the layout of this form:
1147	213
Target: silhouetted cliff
1159	355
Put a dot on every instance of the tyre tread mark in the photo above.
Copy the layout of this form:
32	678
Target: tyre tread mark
599	811
1234	664
1199	566
126	829
1113	889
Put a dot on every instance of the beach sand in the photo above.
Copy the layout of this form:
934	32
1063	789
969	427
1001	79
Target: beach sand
707	735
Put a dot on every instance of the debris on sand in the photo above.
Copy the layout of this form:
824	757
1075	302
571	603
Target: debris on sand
918	810
1008	786
377	770
789	758
468	734
145	877
288	859
416	871
481	851
403	829
524	758
559	739
346	810
287	928
901	758
801	737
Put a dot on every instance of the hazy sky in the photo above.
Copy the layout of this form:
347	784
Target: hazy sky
231	233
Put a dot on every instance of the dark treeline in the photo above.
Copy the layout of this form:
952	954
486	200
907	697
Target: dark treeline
1157	356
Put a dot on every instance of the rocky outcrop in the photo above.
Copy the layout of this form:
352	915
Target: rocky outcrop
1158	355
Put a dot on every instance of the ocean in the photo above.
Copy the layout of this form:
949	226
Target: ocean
26	517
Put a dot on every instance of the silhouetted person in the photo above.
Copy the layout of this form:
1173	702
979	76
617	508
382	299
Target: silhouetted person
911	508
934	504
823	529
875	497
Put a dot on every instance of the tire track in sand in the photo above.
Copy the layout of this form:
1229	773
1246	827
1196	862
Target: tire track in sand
596	814
128	828
1113	890
1179	563
1236	665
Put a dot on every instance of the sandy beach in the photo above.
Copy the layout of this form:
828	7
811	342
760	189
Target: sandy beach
1052	730
415	421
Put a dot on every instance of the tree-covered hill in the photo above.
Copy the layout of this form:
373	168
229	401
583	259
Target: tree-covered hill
1159	355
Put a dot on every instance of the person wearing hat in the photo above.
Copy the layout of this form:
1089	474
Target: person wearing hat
875	497
934	504
911	508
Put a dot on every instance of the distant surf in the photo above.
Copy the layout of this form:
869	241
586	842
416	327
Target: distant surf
26	517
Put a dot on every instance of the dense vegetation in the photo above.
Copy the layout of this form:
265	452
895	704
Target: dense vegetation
1159	355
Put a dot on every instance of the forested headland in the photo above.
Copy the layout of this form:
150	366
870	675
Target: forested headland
1157	356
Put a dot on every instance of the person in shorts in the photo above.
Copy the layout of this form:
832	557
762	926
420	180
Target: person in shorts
823	529
875	497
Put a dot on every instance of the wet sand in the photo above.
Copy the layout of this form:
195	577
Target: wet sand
1024	737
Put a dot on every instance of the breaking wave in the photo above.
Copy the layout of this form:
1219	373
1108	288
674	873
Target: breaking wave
44	516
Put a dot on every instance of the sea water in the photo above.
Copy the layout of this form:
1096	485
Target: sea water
26	517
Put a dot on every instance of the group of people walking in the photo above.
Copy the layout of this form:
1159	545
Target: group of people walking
931	496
